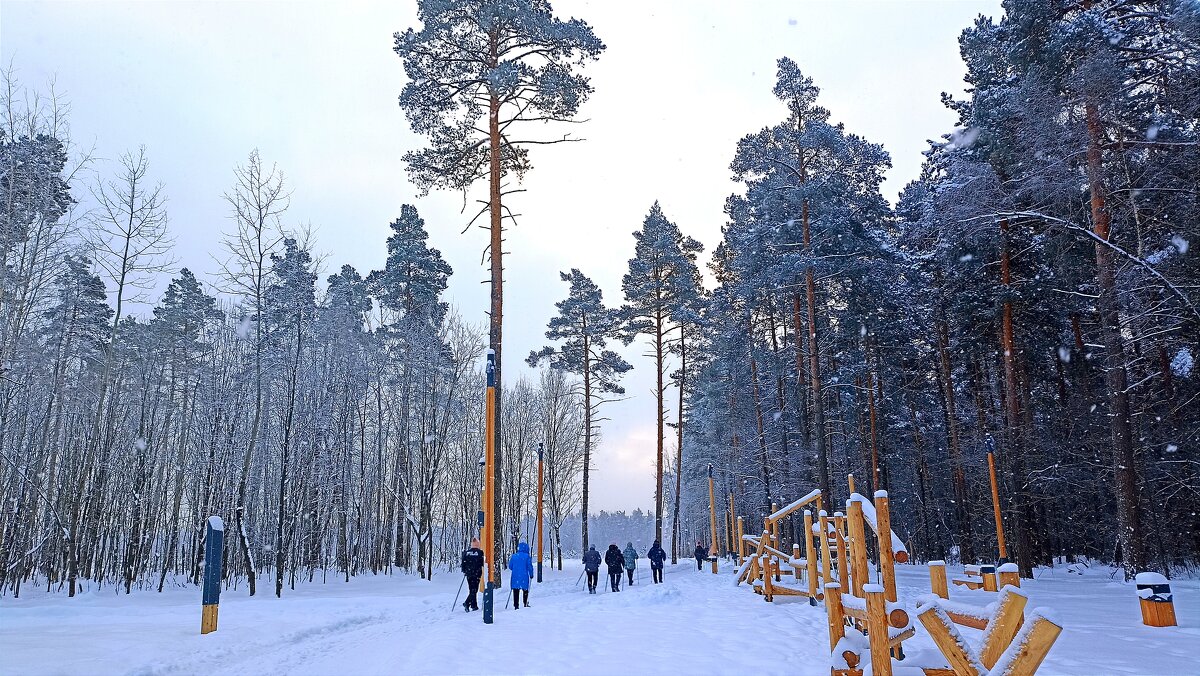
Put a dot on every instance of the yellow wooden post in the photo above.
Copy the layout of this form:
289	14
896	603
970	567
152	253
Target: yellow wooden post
839	525
1033	649
937	579
887	566
988	573
833	608
741	545
1003	627
945	635
1009	575
877	631
795	560
810	556
859	572
826	571
996	508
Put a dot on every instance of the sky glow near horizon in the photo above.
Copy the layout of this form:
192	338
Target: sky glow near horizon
313	86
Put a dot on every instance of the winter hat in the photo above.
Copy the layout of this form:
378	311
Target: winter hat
630	545
592	547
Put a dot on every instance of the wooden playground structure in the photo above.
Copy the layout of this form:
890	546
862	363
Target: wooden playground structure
867	624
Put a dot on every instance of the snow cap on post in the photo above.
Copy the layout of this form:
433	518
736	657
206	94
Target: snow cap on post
216	523
880	494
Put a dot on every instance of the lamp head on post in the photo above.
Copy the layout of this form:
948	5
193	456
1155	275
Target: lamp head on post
990	442
710	470
541	449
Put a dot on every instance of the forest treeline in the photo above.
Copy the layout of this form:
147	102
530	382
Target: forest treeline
1031	294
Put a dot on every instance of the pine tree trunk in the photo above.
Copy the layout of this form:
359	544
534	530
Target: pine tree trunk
1124	468
495	319
958	478
1014	427
587	436
679	440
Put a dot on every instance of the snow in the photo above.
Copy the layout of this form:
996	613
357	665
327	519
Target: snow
694	623
1150	578
1182	363
1008	568
216	523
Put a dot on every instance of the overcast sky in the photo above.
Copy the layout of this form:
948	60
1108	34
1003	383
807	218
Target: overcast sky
313	86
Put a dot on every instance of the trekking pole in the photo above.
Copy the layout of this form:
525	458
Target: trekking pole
460	586
580	576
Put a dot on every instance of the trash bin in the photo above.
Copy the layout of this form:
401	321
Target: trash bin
1158	605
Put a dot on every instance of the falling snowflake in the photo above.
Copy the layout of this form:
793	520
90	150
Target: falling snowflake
1064	355
1180	243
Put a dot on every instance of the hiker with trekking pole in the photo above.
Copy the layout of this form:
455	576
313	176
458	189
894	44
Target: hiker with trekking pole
472	569
657	556
591	565
631	557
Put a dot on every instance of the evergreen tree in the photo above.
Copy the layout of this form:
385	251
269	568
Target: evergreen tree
659	273
584	326
513	62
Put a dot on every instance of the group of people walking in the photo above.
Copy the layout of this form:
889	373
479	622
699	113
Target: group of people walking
618	561
520	567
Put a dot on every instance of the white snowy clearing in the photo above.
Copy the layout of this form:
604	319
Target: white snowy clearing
694	623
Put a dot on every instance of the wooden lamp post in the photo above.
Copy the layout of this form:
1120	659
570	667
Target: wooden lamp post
489	488
541	475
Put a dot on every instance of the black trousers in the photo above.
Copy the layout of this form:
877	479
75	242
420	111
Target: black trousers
630	571
517	595
593	579
473	588
614	580
657	572
699	564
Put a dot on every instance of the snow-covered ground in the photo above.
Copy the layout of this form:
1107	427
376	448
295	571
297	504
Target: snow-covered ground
695	623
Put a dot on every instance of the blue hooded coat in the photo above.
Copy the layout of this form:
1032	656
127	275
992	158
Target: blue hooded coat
520	567
631	557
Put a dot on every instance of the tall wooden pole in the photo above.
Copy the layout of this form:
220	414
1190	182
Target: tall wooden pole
996	508
541	476
712	518
489	488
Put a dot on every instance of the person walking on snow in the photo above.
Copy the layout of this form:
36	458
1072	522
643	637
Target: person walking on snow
701	553
472	567
630	561
616	561
591	563
657	556
520	567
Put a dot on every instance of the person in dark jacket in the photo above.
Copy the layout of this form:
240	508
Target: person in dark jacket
591	563
472	567
520	567
701	553
631	558
657	556
616	562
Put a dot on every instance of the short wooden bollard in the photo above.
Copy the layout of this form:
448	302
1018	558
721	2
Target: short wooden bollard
988	573
937	579
796	561
1009	575
1158	604
212	574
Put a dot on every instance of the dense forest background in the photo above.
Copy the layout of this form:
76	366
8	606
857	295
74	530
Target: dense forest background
1032	294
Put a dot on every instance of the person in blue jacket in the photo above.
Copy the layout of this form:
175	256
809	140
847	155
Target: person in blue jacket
520	568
